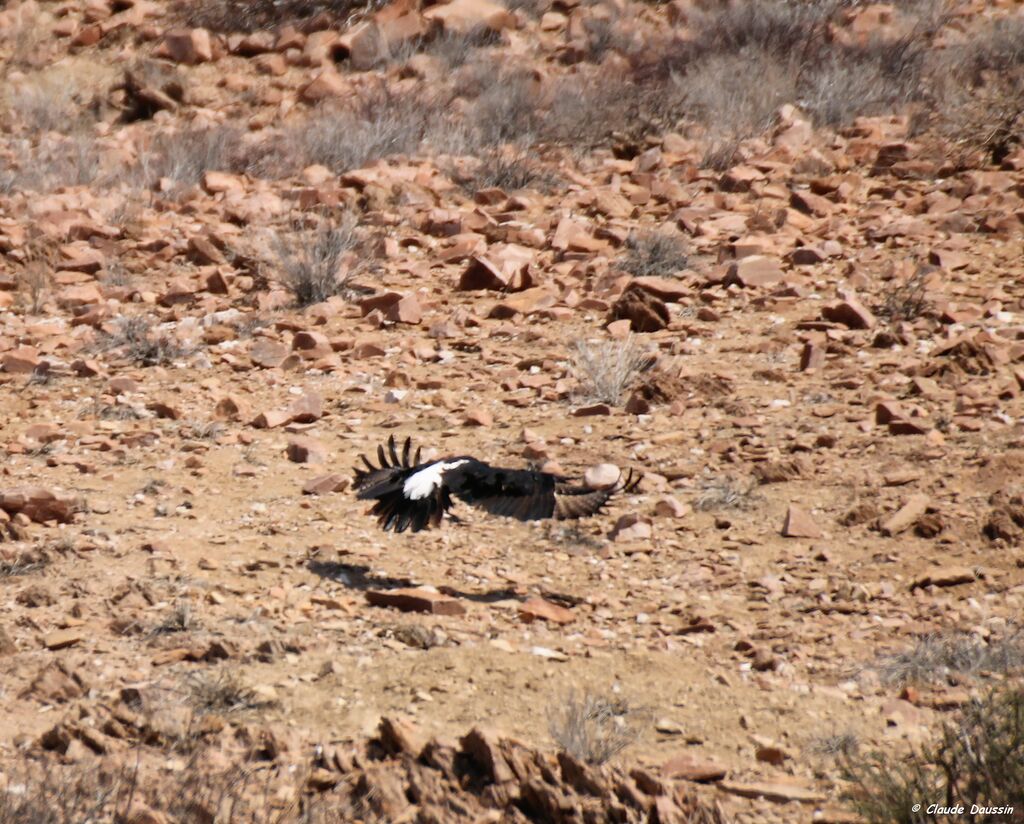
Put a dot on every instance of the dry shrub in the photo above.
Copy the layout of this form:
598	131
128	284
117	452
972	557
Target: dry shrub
136	338
941	656
654	253
184	157
313	262
593	728
725	493
228	16
908	299
607	370
219	692
47	793
374	124
976	761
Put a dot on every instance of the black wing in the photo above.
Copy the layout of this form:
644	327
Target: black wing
385	485
529	495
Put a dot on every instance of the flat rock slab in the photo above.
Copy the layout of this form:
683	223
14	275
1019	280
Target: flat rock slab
539	609
62	638
906	516
945	577
692	768
780	793
799	524
416	599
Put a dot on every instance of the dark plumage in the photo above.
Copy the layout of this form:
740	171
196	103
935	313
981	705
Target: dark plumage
408	494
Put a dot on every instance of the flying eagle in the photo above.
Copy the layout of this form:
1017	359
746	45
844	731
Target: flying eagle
408	494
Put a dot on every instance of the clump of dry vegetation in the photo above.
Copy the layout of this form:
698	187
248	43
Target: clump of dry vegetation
593	728
311	262
977	762
607	370
654	253
137	339
247	16
941	656
220	692
725	493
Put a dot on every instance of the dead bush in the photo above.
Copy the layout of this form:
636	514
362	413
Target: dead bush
23	562
184	157
654	254
311	261
376	124
227	16
945	656
508	170
607	370
455	48
593	728
219	692
908	299
90	791
725	493
850	84
136	338
506	111
976	762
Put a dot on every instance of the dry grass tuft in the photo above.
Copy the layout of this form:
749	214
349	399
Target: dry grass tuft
725	493
654	253
220	692
607	370
593	728
942	656
312	261
136	338
977	761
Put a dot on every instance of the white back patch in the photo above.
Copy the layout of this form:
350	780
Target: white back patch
423	483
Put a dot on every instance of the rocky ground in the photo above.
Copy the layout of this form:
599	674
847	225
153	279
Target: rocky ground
245	243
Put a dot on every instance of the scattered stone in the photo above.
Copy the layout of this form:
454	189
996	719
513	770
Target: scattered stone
602	476
693	768
799	524
416	600
945	577
326	484
538	609
776	792
906	516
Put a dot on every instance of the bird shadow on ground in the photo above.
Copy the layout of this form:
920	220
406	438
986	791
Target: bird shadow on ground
359	577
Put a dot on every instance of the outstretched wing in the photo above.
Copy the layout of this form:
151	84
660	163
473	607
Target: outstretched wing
580	501
528	495
386	486
373	478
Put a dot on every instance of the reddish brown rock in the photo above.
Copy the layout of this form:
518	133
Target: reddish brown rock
268	353
644	311
271	419
188	46
416	600
906	516
406	310
754	270
39	504
307	408
693	768
950	576
799	524
464	16
325	484
850	312
478	416
538	609
303	449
